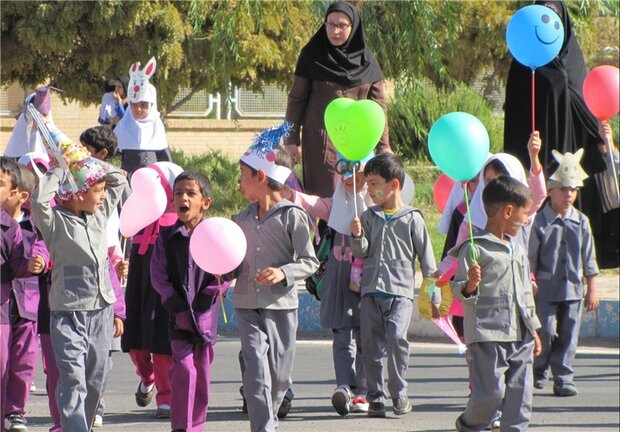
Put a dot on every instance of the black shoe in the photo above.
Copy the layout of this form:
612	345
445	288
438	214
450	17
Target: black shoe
341	399
285	408
144	399
376	409
244	408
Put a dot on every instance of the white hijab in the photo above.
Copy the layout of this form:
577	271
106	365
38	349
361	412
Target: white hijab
343	211
146	134
515	170
20	143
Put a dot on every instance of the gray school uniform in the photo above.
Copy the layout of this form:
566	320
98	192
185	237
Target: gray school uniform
561	253
80	298
267	315
389	248
499	326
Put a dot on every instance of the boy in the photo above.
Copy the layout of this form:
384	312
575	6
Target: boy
81	295
24	305
500	322
388	236
190	295
561	253
279	255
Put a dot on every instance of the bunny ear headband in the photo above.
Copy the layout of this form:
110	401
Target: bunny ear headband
262	153
139	88
569	173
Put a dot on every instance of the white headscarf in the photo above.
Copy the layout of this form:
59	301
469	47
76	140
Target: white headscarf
20	143
515	170
146	134
343	211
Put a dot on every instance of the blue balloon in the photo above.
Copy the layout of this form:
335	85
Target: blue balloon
459	145
535	35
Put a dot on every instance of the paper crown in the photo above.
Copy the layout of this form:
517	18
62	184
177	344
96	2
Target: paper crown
139	88
261	155
569	173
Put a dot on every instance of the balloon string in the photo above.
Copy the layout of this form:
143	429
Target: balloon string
123	247
533	100
354	192
219	287
471	231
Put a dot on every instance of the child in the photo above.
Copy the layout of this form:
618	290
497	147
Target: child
388	236
340	304
500	322
100	142
279	255
113	102
81	295
23	308
141	133
191	297
561	253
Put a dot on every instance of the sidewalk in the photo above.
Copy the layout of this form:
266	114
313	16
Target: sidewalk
601	324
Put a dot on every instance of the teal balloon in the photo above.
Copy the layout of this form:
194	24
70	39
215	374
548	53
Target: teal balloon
459	145
535	35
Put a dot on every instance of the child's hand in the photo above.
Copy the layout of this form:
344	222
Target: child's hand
119	327
122	268
537	345
293	151
356	227
474	276
534	288
534	144
36	265
592	301
270	276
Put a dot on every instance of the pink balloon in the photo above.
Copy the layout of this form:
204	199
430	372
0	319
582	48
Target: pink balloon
146	203
441	191
602	92
218	245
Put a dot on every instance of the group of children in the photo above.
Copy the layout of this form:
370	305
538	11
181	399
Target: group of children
60	242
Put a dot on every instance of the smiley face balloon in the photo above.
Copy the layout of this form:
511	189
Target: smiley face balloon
535	35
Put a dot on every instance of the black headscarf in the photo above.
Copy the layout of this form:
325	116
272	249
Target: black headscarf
562	117
349	65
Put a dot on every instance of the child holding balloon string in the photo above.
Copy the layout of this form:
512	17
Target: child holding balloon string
192	298
340	300
279	256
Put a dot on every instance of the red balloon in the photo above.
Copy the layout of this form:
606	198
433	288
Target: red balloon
441	191
602	92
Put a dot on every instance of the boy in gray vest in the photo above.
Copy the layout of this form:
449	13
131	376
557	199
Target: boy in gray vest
81	295
499	318
388	236
561	253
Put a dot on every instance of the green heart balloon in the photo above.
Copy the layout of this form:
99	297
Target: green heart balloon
354	127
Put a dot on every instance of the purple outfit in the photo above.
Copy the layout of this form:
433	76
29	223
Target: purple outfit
12	265
191	297
23	317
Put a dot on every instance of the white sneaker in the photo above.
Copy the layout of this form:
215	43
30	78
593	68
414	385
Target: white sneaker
359	405
98	421
15	423
341	398
33	388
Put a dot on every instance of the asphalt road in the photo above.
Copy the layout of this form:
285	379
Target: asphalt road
437	387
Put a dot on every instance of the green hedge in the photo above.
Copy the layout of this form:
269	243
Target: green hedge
417	104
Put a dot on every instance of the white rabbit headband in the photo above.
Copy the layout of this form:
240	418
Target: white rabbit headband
139	88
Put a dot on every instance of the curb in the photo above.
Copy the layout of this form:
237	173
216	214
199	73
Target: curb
601	324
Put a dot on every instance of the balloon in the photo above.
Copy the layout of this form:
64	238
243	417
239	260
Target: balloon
217	245
535	35
441	191
146	203
459	145
601	91
408	190
354	127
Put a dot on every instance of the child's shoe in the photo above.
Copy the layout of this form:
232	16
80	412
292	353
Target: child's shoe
540	382
359	405
143	399
244	408
341	398
565	389
287	403
376	409
402	406
98	422
163	411
15	423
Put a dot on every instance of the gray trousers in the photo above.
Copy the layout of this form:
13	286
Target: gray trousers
268	348
384	325
561	319
500	372
81	343
348	363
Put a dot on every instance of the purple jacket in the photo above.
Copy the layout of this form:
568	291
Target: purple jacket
189	294
12	262
26	289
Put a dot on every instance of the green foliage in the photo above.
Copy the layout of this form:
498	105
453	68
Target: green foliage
417	104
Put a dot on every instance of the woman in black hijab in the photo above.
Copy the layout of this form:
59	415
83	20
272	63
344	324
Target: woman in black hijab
565	124
334	63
